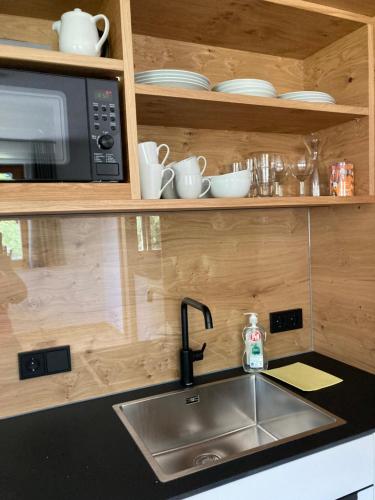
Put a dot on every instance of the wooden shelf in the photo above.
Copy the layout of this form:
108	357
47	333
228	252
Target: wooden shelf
288	28
37	199
51	60
50	198
365	7
213	110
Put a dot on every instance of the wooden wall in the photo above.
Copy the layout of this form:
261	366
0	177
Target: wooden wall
343	283
110	287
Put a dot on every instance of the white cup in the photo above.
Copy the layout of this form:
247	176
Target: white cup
190	166
149	153
151	180
169	193
189	186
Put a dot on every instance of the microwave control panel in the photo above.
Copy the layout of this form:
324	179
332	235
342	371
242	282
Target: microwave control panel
105	130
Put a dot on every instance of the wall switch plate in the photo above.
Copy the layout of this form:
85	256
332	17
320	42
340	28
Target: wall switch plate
33	364
284	321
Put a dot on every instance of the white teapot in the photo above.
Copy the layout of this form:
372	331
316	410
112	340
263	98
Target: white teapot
78	33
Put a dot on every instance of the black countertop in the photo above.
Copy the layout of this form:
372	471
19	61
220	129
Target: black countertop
82	451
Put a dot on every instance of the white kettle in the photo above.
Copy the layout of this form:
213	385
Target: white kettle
78	33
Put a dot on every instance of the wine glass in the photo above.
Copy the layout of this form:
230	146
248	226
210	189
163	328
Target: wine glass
301	168
281	172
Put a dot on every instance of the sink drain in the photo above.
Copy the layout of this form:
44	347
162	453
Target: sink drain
206	459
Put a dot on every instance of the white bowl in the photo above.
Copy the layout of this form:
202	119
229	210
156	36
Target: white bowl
233	185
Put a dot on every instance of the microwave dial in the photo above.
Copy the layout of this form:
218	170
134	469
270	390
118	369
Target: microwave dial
106	141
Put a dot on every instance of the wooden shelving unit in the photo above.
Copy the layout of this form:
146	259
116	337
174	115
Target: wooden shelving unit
293	43
79	199
200	109
50	60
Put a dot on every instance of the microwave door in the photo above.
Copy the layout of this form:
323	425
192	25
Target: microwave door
39	159
38	129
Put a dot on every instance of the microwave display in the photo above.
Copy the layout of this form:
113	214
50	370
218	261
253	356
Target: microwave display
59	128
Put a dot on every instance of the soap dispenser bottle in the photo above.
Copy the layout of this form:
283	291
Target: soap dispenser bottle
254	337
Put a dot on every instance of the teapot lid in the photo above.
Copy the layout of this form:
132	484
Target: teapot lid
76	11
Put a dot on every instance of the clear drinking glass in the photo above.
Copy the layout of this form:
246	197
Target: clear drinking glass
253	181
264	173
301	168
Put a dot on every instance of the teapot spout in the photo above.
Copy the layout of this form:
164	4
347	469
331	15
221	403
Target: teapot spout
56	26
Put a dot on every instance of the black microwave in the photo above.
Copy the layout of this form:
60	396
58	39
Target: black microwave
59	128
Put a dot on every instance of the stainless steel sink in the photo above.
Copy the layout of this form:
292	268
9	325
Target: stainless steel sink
185	431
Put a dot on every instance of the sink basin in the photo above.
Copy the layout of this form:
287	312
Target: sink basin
185	431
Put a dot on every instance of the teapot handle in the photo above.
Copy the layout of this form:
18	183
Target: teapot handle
104	36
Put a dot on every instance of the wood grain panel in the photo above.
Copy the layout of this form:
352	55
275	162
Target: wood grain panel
351	142
12	208
112	9
216	63
343	284
28	29
341	69
45	9
129	98
253	25
59	62
366	7
177	107
114	297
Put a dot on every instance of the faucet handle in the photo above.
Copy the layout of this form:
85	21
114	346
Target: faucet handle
198	355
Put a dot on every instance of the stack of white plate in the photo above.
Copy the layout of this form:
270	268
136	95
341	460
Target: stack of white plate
173	78
308	96
247	86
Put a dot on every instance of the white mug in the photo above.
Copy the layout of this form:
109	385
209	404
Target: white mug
190	166
149	153
189	186
151	180
169	193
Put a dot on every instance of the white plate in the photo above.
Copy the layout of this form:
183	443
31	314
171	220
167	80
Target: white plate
253	93
304	98
184	85
291	95
238	86
172	81
312	99
305	92
253	87
177	84
163	77
177	77
246	81
172	72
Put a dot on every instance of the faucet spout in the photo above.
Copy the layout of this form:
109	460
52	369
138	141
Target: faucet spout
187	355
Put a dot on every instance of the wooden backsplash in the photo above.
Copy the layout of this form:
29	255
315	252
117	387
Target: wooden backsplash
110	287
343	283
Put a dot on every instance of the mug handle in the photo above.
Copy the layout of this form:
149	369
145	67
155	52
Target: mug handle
205	163
166	155
209	187
169	181
104	36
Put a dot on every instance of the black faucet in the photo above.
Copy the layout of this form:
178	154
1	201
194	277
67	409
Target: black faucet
187	355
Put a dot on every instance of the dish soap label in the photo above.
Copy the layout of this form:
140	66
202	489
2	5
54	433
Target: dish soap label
255	359
254	337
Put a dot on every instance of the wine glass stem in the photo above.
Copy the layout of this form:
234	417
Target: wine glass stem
302	188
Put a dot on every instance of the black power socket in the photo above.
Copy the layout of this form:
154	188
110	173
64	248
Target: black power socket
43	362
283	321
